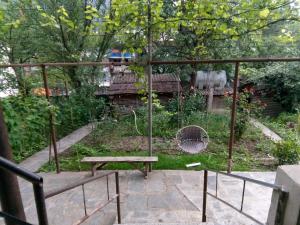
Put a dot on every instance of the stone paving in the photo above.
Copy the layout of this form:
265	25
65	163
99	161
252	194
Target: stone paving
165	197
35	162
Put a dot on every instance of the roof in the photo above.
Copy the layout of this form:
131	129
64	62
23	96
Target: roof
161	83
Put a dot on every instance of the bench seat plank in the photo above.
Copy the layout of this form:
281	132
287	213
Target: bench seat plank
120	159
99	162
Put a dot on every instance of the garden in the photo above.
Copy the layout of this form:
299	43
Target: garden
68	32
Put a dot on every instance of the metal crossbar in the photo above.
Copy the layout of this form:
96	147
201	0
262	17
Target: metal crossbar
282	195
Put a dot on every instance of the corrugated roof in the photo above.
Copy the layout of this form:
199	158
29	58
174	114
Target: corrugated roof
126	84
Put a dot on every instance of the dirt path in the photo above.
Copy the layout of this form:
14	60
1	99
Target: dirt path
36	161
266	131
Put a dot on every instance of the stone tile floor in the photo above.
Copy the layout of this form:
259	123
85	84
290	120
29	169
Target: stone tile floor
165	197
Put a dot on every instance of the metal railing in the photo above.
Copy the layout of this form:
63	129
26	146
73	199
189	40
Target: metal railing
38	190
283	196
40	197
99	207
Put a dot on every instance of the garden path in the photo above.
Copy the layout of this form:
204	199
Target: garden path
36	161
168	196
266	131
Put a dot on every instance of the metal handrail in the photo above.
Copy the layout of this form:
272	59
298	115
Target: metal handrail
13	219
75	184
259	182
14	168
88	180
37	182
283	195
40	197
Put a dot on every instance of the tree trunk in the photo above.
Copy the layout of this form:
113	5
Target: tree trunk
23	90
10	196
193	80
73	77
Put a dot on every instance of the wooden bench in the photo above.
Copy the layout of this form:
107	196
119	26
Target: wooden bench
99	162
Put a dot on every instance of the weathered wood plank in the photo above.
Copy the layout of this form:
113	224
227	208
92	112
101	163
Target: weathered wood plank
120	159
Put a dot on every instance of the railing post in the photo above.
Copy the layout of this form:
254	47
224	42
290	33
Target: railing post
51	120
107	187
282	202
233	116
84	201
204	197
243	195
40	203
118	197
217	174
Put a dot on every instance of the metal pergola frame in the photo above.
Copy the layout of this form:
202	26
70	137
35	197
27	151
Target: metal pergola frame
149	65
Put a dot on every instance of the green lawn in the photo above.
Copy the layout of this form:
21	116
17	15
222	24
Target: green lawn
110	139
285	125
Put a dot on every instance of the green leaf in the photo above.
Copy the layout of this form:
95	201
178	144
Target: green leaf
264	13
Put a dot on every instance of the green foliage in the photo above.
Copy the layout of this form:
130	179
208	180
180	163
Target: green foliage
80	108
193	103
287	152
161	122
240	126
102	143
182	108
281	80
247	106
285	125
27	120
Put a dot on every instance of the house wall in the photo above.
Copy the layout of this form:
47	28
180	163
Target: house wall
135	101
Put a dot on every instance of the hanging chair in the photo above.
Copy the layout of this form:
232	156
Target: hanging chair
192	139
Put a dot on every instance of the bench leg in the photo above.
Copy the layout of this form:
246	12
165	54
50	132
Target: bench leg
146	168
95	166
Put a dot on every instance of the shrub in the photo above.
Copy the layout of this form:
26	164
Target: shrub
240	127
189	104
246	107
161	122
27	120
79	109
287	152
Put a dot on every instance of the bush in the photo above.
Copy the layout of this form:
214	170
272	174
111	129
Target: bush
287	152
189	104
240	127
79	109
27	120
161	122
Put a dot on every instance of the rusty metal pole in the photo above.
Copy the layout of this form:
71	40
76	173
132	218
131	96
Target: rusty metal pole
10	196
149	66
204	199
118	197
51	119
233	116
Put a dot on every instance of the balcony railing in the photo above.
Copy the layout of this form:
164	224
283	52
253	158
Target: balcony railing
40	197
100	206
283	196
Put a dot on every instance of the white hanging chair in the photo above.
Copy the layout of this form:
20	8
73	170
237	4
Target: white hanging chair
192	139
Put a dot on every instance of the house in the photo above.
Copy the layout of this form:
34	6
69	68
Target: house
125	91
217	80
